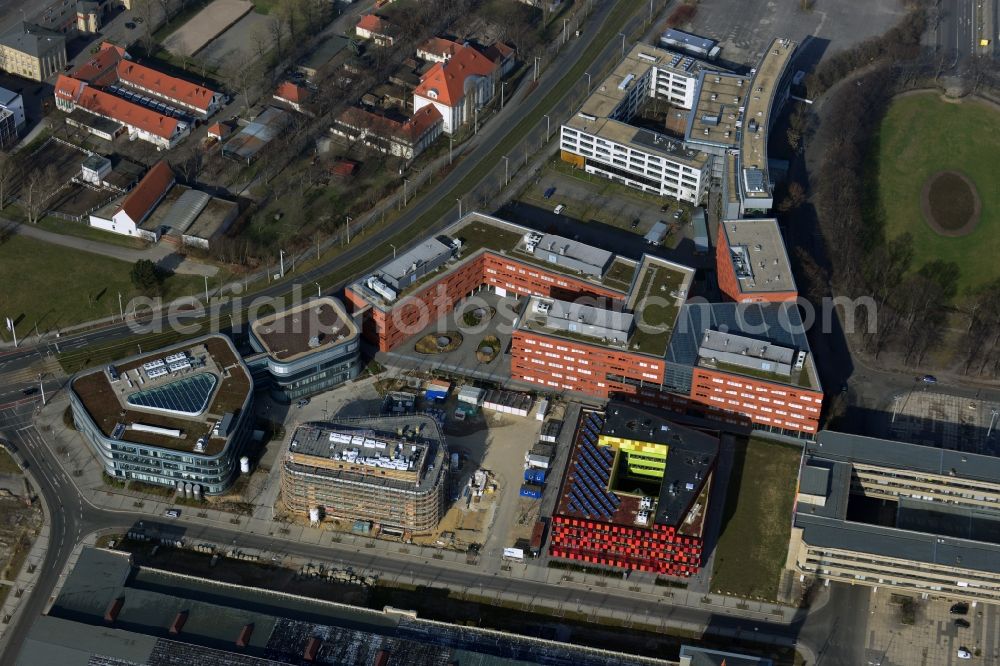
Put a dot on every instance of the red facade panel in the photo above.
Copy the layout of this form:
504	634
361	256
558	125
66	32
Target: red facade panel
762	402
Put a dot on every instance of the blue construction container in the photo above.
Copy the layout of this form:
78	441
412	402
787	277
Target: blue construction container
531	490
534	475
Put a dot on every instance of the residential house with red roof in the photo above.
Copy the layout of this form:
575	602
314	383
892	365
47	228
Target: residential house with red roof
86	105
376	29
405	139
292	95
458	87
139	204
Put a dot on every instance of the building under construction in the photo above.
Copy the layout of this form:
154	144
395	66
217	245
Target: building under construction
388	471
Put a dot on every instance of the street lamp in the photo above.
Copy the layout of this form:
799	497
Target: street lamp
459	200
206	287
506	170
393	250
565	21
587	74
547	124
348	229
622	35
405	183
41	387
121	309
319	290
281	261
537	58
503	87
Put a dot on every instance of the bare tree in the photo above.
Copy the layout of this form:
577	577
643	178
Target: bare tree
277	32
8	169
38	187
796	197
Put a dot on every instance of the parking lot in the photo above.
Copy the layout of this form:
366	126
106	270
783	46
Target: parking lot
605	214
924	416
745	28
933	638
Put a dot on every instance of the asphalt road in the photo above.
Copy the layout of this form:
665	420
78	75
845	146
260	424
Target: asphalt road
70	517
490	135
960	26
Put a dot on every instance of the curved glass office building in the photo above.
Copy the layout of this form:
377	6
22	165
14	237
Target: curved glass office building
178	417
304	350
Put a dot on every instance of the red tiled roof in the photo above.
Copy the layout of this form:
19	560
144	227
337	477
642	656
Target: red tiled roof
99	69
440	46
68	88
109	106
498	52
448	79
150	189
343	168
422	120
373	23
291	92
219	130
409	130
166	86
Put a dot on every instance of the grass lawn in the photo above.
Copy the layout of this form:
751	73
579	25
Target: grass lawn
7	464
920	136
756	522
54	286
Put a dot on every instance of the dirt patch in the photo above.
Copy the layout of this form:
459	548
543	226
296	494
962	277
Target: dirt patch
950	203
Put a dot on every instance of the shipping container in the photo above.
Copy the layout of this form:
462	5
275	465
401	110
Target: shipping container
534	475
534	460
531	490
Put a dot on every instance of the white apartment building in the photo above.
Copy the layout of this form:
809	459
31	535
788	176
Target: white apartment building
599	139
636	157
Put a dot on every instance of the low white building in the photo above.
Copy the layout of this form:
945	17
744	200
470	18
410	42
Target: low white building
138	205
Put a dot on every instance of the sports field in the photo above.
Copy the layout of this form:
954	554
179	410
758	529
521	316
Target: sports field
922	135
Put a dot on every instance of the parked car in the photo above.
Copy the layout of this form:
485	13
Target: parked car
303	402
961	608
962	624
963	653
677	215
130	25
31	390
559	209
635	223
929	379
549	192
172	513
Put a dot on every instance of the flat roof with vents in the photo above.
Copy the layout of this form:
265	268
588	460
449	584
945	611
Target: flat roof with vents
763	90
170	397
718	113
313	326
758	256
